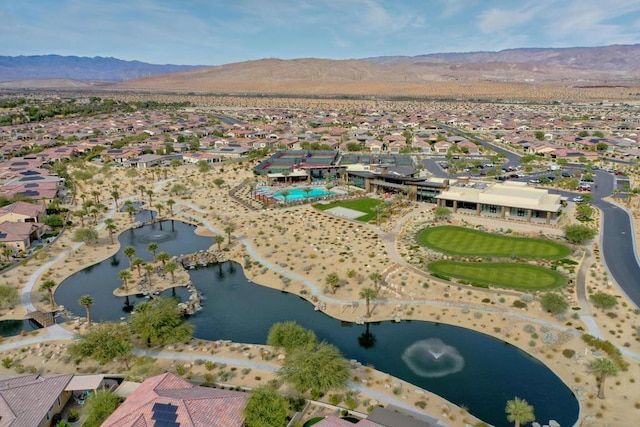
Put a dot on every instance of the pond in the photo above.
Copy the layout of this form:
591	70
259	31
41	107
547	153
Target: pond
101	279
466	367
11	328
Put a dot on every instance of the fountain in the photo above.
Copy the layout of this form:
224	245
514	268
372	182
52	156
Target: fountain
429	355
432	358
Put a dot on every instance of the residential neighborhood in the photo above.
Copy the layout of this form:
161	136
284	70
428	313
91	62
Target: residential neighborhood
256	181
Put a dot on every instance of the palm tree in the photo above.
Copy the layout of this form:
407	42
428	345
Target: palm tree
284	194
153	247
333	281
111	227
125	276
142	189
170	203
138	262
376	278
131	210
378	210
519	412
150	194
148	268
171	268
367	294
218	239
115	196
602	368
94	214
163	257
96	195
229	229
159	207
80	214
87	301
307	190
130	252
48	286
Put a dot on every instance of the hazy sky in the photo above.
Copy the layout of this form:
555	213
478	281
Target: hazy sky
213	32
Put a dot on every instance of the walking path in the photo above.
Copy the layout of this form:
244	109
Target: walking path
390	242
245	363
27	289
56	332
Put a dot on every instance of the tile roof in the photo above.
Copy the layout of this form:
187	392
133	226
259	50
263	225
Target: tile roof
26	399
196	406
22	208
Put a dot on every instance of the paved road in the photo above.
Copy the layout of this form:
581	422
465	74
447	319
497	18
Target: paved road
617	241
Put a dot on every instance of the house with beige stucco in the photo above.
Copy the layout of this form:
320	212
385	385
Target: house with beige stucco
509	200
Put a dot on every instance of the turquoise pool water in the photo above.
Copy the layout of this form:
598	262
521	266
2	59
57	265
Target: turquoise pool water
299	194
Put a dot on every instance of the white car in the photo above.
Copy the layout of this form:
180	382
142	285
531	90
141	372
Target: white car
578	199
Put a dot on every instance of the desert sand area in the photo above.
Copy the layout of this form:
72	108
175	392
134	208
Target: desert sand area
293	249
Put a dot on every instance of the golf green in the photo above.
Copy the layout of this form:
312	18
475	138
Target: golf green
463	241
509	275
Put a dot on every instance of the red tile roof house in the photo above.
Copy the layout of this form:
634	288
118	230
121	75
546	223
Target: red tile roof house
22	212
19	235
32	400
192	406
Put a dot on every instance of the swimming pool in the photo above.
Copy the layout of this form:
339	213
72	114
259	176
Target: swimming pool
300	194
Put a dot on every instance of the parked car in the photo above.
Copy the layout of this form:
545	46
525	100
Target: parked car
584	187
578	199
566	174
534	181
551	177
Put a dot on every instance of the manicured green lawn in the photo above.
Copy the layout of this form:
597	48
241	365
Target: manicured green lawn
467	242
508	275
363	205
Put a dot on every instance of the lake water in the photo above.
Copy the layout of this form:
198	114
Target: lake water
463	366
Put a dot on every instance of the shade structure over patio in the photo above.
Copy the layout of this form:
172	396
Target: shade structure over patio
84	382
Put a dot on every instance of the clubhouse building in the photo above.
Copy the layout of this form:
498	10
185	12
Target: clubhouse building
391	174
509	200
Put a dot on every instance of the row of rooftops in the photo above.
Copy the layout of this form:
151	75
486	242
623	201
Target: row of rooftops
27	400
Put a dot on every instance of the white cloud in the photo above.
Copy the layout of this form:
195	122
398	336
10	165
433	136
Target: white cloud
453	7
591	22
498	20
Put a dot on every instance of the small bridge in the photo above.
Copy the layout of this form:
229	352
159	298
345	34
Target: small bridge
41	318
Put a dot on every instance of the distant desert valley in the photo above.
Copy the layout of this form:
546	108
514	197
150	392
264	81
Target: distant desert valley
459	229
593	74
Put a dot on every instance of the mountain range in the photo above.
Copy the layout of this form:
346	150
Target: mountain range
615	65
80	68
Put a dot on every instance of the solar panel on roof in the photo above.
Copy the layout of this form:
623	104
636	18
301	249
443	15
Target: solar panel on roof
164	416
164	407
